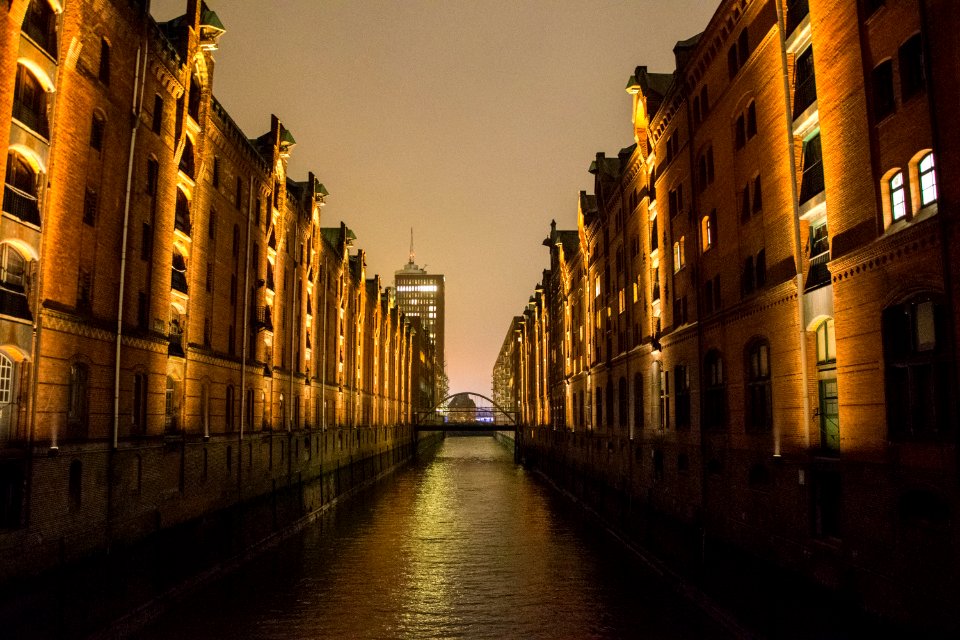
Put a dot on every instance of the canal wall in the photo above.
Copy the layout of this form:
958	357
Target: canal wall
191	499
740	574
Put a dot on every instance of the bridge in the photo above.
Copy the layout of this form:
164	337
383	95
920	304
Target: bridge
466	411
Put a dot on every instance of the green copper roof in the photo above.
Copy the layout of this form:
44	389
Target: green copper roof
209	18
287	137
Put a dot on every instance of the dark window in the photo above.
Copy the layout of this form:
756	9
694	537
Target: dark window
710	165
209	281
143	311
916	369
883	101
681	377
739	133
912	74
84	290
229	408
212	225
77	398
732	65
40	24
239	195
759	395
751	120
104	73
140	403
811	184
761	267
708	296
30	102
97	125
704	103
714	393
623	406
696	111
743	47
716	293
181	219
233	289
804	83
146	242
157	113
871	6
90	201
757	195
745	204
236	241
187	162
215	178
702	173
153	173
193	104
637	402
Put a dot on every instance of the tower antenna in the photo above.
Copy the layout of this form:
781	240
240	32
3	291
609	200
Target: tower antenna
412	254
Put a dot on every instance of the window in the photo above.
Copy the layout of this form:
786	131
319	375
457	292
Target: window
209	279
898	202
193	104
229	409
704	103
90	207
707	231
759	396
30	102
761	266
139	417
143	310
187	162
883	101
181	219
743	48
146	242
212	225
757	195
804	83
77	397
811	183
236	241
104	73
233	289
654	236
739	133
40	24
732	64
637	402
84	290
917	374
12	268
157	113
153	172
714	393
928	180
238	198
751	120
681	377
696	111
679	259
745	204
215	177
664	398
97	125
912	74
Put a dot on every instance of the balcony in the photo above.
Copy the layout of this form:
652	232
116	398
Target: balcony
34	120
175	346
178	281
181	223
818	275
797	10
812	183
21	205
264	319
656	291
804	95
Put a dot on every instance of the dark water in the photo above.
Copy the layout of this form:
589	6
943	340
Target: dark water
467	545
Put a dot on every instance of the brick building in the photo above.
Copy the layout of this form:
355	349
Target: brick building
760	314
165	287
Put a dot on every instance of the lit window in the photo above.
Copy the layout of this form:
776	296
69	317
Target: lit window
898	204
706	232
826	342
928	180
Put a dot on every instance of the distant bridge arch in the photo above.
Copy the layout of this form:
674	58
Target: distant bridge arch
466	411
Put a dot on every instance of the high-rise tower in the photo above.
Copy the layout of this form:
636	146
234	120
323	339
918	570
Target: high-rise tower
421	294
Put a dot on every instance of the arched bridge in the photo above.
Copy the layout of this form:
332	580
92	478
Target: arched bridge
466	411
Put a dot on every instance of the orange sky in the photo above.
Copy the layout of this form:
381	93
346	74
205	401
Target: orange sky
472	122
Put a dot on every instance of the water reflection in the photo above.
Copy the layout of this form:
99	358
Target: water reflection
466	546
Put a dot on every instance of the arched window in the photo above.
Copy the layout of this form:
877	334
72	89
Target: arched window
707	232
898	197
187	159
928	180
104	73
6	381
30	102
178	273
12	268
759	392
20	190
193	105
714	392
40	25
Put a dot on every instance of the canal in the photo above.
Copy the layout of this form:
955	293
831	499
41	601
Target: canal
463	545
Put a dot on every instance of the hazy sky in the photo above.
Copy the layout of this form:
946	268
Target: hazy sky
472	122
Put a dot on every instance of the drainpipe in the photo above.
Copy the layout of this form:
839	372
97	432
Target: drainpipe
135	114
794	199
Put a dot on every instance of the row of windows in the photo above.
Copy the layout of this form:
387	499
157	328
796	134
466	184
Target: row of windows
925	174
912	77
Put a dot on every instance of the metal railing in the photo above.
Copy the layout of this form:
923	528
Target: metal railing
36	122
178	281
804	95
21	205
